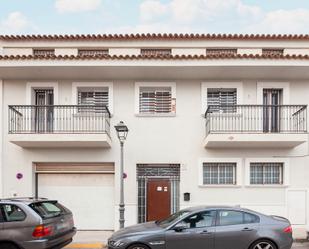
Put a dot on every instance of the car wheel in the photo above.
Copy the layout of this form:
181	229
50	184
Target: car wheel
138	246
8	246
263	244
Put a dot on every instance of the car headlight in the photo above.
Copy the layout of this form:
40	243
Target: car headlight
117	243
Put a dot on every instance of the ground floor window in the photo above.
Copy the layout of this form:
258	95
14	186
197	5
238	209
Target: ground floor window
266	173
157	183
219	173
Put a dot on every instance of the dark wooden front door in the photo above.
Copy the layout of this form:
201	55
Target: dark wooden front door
158	199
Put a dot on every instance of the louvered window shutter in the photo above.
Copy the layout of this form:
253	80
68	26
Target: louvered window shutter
222	100
155	100
97	99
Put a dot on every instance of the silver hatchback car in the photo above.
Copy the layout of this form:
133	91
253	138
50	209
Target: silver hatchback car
208	228
27	223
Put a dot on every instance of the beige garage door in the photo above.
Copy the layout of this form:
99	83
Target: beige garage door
90	196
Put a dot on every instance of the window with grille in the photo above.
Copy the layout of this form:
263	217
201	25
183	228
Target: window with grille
221	51
266	173
92	52
219	173
155	100
43	52
222	99
97	98
155	51
272	51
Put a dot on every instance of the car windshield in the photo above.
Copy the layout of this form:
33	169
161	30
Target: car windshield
48	209
170	220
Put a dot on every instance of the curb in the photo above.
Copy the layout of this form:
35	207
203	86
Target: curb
85	246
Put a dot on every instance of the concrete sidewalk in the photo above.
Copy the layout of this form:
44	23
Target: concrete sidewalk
90	240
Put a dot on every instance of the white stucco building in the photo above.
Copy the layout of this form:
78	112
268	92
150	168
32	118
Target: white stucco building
218	119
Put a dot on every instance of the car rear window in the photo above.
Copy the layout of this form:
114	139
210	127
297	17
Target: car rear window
251	218
48	209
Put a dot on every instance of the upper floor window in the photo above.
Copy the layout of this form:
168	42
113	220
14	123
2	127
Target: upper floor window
96	97
43	52
221	51
266	173
92	52
222	99
272	51
154	100
219	173
155	51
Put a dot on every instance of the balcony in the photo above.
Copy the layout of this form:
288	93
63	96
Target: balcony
33	126
255	126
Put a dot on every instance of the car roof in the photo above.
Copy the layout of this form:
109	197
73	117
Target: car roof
202	208
26	200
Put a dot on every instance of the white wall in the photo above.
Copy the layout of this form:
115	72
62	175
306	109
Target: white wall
176	139
1	137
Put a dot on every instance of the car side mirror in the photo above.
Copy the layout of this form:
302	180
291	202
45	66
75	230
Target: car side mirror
179	228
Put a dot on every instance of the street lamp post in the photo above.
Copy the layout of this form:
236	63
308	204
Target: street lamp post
122	132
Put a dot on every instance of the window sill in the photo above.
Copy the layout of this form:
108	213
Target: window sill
267	186
220	186
156	115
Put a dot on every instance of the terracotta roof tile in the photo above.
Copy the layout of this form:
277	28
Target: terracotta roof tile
157	36
154	57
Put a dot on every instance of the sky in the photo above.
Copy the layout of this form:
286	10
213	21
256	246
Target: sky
154	16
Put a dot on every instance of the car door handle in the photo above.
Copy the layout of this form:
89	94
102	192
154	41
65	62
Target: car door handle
205	232
246	229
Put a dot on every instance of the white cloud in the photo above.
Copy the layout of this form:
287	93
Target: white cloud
217	16
64	6
150	9
283	22
189	11
15	22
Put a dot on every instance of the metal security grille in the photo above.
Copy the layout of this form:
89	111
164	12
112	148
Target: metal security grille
222	99
146	172
266	173
221	51
43	52
155	100
272	51
155	51
98	99
92	52
219	173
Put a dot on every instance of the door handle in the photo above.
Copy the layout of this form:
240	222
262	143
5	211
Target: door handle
246	229
205	232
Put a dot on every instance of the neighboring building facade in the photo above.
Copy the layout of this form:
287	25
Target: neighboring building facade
213	120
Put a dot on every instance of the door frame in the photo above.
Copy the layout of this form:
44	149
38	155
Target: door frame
276	85
145	172
41	85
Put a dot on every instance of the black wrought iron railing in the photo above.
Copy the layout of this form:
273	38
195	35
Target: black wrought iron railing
256	119
59	119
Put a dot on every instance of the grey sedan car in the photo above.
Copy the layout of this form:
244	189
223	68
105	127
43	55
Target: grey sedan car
27	223
208	228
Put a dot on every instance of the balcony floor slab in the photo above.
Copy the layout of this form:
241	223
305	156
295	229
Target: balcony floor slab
60	140
248	140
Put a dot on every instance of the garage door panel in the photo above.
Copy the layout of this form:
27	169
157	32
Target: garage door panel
89	196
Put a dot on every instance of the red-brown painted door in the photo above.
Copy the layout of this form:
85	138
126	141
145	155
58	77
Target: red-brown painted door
158	199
